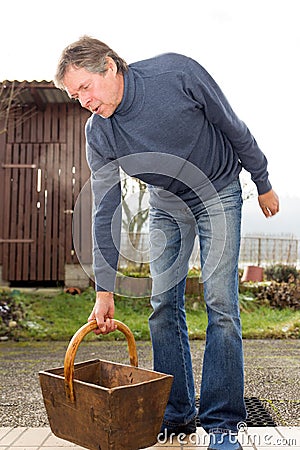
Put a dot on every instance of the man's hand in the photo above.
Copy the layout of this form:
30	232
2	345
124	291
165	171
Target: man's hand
269	203
103	312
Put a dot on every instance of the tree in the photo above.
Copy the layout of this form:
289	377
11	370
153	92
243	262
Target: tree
248	187
10	104
135	211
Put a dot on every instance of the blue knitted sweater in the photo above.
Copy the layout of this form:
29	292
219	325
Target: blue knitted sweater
172	114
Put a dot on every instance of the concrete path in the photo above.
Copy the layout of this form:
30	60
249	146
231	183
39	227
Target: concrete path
22	438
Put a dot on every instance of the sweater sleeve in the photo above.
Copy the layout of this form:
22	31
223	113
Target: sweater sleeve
106	215
218	111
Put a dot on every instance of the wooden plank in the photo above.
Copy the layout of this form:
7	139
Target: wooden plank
75	172
48	250
41	237
55	214
26	117
77	153
80	175
62	118
16	241
86	212
40	127
27	212
33	127
54	123
6	214
84	170
13	213
2	181
34	216
85	226
19	166
12	219
18	126
76	231
62	209
11	127
69	188
47	124
20	213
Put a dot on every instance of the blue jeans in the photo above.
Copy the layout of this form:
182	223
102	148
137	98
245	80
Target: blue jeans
173	228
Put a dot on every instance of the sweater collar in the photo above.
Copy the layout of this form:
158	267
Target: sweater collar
133	96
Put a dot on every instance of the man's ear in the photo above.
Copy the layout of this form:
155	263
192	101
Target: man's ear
111	65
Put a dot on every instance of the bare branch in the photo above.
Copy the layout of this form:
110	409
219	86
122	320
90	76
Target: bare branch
9	102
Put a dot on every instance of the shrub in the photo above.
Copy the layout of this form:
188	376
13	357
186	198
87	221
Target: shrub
281	273
136	270
11	311
281	295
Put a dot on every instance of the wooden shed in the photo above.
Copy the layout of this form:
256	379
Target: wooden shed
42	171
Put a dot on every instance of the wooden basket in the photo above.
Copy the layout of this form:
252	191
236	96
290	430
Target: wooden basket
103	405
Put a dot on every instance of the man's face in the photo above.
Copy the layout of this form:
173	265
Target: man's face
99	93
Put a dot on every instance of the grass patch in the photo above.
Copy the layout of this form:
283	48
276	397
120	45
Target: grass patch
266	322
57	317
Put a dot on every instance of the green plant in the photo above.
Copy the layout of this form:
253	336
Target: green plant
57	315
247	301
281	273
271	323
11	312
136	270
194	272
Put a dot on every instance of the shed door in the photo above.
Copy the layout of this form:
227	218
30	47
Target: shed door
34	212
41	181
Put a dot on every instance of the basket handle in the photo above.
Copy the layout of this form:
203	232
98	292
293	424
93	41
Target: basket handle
73	347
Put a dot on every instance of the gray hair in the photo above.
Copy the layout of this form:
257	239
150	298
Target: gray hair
90	54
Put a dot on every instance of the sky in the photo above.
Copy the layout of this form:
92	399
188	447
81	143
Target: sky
250	47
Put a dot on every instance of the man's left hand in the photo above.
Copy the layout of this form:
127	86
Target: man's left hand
269	203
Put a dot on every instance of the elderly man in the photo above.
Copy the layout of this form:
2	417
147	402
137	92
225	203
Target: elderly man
167	122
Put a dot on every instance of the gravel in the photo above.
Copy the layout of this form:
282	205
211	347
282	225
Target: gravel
272	374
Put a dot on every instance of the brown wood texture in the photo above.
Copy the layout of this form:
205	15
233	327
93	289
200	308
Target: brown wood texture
2	181
127	416
42	172
75	342
112	406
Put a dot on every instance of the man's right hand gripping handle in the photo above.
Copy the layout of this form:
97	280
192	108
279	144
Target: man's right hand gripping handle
103	312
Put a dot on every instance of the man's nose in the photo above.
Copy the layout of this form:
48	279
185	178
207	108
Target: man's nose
84	100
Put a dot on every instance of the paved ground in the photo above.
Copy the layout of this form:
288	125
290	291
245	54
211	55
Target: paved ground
253	439
272	374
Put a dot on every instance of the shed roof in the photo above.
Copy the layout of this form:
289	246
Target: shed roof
39	93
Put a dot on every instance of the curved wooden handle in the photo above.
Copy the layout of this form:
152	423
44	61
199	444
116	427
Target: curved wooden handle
73	347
